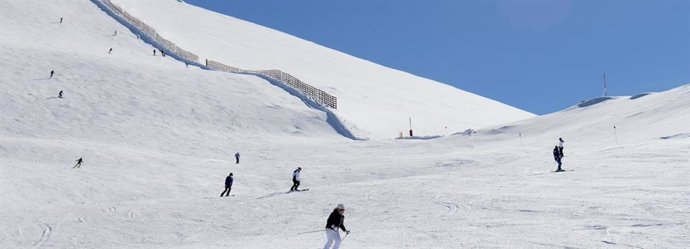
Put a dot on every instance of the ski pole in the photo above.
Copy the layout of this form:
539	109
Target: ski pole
315	231
341	241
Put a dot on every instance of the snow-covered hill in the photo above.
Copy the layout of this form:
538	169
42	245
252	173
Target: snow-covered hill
157	140
375	100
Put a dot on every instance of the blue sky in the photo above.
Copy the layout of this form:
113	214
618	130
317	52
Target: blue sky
537	55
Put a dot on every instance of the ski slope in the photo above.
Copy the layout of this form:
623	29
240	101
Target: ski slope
374	100
158	139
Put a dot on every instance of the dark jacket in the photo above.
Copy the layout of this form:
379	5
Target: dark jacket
228	181
556	153
335	220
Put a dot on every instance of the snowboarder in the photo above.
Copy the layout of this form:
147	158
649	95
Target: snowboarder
52	72
296	179
110	51
60	94
78	165
228	185
560	145
154	52
557	156
334	223
237	158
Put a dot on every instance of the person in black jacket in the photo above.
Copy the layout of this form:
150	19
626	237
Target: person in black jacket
228	185
296	179
557	156
335	222
78	165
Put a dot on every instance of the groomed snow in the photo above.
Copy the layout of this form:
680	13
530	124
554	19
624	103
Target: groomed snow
157	140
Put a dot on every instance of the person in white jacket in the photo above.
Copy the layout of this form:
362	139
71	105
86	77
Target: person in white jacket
296	179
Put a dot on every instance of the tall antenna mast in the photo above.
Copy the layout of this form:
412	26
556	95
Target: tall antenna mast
606	93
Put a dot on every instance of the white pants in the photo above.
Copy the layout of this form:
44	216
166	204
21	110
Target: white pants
333	239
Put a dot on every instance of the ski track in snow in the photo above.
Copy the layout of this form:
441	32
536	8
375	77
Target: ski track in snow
451	206
45	235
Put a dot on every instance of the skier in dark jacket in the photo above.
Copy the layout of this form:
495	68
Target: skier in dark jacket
228	185
78	165
60	94
557	156
237	158
51	73
334	223
296	178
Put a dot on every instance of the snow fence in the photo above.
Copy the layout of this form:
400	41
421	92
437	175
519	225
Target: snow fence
317	95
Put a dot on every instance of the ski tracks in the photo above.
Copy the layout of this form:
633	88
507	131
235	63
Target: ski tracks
45	236
451	206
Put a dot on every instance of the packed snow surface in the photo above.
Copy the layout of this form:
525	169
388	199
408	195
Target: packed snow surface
158	139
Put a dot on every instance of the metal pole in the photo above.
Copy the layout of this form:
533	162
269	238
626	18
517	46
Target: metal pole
606	92
615	134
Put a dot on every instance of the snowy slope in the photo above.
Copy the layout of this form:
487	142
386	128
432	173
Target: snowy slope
157	141
639	118
371	98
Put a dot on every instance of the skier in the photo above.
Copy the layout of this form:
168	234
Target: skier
334	223
154	52
557	156
60	19
115	34
237	158
162	53
51	73
78	165
60	94
110	51
560	145
296	179
228	185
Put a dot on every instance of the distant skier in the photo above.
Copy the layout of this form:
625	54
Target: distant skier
60	94
237	158
154	52
557	156
162	53
110	51
115	34
296	178
228	185
60	19
335	222
52	72
78	165
560	146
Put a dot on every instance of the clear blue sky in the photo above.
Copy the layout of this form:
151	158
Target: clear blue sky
537	55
